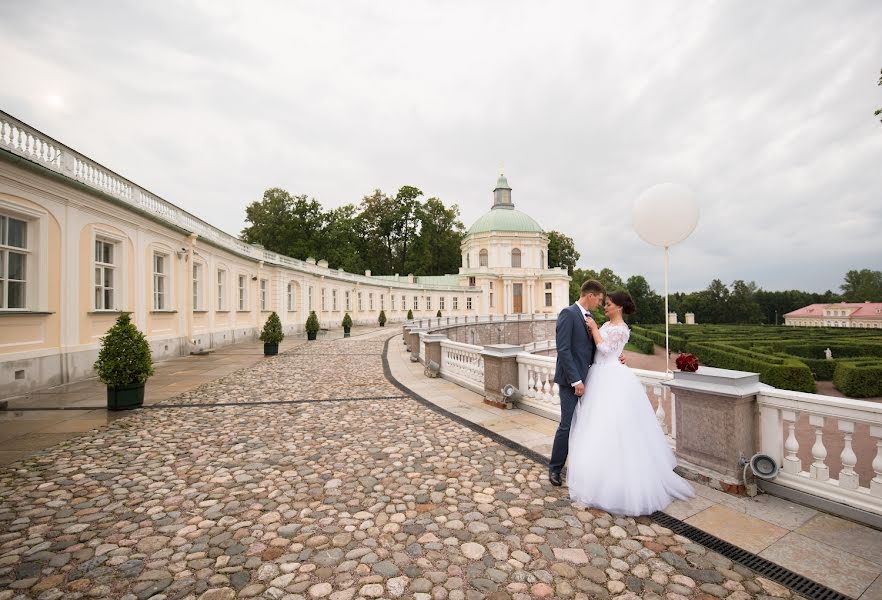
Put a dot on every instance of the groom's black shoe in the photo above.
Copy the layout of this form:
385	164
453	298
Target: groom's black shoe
554	478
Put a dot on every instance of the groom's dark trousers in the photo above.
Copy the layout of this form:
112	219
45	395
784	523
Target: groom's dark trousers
575	353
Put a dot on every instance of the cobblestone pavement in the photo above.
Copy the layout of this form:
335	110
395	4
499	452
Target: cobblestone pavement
339	500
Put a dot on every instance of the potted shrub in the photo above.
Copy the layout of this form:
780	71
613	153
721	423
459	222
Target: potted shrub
312	326
382	318
438	314
124	364
347	325
409	315
272	335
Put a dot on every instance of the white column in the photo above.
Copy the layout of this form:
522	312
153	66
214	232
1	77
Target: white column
848	479
819	471
791	462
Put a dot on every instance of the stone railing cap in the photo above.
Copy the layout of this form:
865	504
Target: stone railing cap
502	350
432	337
721	382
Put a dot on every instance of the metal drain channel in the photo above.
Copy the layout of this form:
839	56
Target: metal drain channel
798	583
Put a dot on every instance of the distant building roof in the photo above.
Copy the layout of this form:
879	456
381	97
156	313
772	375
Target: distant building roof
862	310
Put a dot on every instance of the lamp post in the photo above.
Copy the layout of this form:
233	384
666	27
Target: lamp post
664	215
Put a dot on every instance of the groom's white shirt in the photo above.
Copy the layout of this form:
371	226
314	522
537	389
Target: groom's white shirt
585	314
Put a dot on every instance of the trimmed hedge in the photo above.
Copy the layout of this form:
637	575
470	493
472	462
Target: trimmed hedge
641	344
858	381
783	373
678	344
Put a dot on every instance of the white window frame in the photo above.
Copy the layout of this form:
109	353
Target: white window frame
198	269
441	303
382	301
309	298
468	303
416	302
220	288
428	303
370	301
392	299
292	296
456	303
322	297
347	298
334	299
516	252
36	261
264	294
403	302
242	292
360	303
483	258
165	278
119	260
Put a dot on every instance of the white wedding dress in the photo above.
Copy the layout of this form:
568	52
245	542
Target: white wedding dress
619	459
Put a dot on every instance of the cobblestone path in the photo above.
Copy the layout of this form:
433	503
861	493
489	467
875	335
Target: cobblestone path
365	498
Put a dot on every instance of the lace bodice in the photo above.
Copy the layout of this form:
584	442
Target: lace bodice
614	339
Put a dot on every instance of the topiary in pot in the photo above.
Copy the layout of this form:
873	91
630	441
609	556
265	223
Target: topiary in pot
438	314
382	318
124	364
272	335
312	326
347	324
409	315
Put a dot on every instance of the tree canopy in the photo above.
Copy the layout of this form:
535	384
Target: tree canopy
383	233
562	251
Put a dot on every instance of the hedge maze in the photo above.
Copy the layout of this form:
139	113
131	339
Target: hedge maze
790	358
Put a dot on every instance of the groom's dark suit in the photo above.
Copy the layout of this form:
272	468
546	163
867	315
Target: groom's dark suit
575	353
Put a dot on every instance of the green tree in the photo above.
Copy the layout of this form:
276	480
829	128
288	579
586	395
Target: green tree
742	305
650	305
290	225
436	251
379	214
408	222
862	286
562	251
344	243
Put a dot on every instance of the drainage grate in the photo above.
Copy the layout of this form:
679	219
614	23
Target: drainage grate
766	568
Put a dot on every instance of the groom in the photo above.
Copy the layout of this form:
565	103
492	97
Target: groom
575	353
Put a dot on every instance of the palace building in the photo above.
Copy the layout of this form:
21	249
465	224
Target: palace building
80	244
864	315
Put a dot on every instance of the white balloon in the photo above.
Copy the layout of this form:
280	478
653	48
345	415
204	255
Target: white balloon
665	214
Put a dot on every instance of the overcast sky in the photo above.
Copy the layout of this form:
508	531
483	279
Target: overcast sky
765	109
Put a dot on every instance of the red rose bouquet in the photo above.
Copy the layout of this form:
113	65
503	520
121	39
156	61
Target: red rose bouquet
687	362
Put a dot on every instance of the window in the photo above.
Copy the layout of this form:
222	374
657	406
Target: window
347	300
392	298
416	302
382	301
547	285
291	297
243	292
333	299
516	258
491	295
482	258
309	297
428	303
360	303
469	303
264	294
548	293
322	296
471	282
13	262
197	287
105	267
371	301
403	302
441	303
160	281
221	287
456	303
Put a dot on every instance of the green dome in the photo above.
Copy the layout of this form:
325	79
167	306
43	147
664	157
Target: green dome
504	218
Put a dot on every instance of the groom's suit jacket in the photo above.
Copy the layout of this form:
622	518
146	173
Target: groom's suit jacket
575	348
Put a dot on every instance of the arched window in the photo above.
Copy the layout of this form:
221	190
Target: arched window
516	258
482	258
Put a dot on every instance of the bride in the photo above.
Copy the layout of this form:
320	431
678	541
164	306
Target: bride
619	458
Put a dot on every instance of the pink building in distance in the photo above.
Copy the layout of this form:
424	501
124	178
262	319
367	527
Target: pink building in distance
866	315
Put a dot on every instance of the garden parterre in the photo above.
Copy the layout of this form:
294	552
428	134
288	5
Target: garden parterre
790	358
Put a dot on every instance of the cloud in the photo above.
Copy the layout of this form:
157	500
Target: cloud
766	110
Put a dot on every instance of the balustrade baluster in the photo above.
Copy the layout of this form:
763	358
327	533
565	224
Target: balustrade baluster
792	464
660	413
848	479
531	393
546	386
876	482
555	394
819	471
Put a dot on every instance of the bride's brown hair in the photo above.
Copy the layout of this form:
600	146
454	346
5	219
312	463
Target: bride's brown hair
623	299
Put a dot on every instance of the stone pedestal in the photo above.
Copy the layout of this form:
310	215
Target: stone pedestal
432	346
716	423
500	369
412	339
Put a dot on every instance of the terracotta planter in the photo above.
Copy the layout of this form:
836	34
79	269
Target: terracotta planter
125	397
